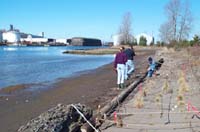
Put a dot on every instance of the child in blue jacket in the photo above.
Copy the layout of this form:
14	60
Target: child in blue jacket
151	68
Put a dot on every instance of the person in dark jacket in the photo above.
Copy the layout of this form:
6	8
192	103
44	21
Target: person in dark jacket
130	53
119	65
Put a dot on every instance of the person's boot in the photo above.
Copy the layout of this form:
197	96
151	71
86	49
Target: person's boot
122	86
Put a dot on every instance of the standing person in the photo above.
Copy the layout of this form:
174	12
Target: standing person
119	65
130	53
151	67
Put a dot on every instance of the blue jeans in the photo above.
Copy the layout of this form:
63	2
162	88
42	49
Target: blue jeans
150	73
129	68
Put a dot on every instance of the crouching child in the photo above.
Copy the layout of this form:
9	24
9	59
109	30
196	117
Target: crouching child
151	68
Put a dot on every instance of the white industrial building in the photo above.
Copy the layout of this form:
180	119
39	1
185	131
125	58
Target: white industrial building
33	38
11	36
29	38
117	39
62	41
148	38
14	36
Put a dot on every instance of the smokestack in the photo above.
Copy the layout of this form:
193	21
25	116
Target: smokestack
43	34
11	27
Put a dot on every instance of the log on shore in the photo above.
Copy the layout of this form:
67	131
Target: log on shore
107	109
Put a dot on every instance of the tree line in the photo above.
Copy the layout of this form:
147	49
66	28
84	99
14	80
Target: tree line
174	31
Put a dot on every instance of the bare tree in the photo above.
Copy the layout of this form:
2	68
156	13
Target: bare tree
179	21
172	10
125	28
185	22
166	33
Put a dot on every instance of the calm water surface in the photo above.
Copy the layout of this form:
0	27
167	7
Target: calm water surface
44	65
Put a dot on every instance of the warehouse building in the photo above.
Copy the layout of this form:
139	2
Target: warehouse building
80	41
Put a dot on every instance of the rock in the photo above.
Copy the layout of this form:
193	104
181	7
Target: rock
58	119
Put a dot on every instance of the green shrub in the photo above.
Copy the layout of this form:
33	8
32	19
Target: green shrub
143	41
195	41
158	43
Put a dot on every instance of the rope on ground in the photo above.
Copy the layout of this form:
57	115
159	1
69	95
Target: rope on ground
84	118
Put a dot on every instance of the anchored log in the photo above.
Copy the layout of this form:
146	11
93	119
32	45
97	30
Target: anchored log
113	104
107	109
118	99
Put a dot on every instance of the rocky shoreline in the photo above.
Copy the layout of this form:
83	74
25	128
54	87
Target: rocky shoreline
59	119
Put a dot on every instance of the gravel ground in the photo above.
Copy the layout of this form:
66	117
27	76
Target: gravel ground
169	101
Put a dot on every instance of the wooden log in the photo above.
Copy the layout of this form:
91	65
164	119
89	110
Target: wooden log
114	102
118	99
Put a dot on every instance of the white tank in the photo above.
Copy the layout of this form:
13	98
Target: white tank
11	36
148	38
117	39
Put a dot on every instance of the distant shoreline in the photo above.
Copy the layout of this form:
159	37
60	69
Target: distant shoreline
106	51
99	51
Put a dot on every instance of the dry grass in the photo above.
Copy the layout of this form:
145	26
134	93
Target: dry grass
158	98
165	87
183	88
139	102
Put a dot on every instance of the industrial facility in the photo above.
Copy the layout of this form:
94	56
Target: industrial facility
34	39
11	36
15	37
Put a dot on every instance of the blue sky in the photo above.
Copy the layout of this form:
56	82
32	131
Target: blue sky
87	18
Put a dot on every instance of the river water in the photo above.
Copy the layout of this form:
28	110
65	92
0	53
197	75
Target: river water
44	65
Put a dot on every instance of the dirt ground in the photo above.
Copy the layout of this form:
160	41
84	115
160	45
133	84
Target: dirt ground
18	105
169	101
